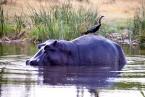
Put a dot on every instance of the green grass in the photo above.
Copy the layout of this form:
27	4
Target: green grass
61	22
10	27
57	22
113	27
19	23
142	93
139	24
2	22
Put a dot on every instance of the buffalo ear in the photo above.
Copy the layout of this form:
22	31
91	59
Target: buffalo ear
54	43
52	46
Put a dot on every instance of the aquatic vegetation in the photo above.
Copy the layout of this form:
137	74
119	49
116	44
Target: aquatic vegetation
113	27
1	21
19	22
7	27
61	22
139	24
142	93
58	22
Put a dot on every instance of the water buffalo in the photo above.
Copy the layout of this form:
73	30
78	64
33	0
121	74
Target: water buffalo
86	50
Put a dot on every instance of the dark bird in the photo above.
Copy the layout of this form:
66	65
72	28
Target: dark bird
95	27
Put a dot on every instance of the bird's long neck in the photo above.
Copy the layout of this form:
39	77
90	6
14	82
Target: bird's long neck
100	19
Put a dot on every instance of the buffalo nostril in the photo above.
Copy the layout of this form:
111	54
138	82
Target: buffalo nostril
27	62
33	63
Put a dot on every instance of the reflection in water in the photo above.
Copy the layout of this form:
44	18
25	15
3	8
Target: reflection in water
78	81
133	50
90	78
1	77
30	49
19	80
17	49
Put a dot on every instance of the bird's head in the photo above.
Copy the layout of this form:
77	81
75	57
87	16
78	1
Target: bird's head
101	17
98	21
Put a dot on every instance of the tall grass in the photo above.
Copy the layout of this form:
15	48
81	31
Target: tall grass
19	23
10	26
57	22
139	24
142	93
1	21
60	22
7	28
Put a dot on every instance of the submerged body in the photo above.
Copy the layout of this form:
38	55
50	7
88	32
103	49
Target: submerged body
85	50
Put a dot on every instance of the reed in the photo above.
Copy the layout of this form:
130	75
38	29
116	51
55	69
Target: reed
139	24
61	22
2	22
142	93
6	28
58	22
19	23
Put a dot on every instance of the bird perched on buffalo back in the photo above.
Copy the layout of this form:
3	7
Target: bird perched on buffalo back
95	28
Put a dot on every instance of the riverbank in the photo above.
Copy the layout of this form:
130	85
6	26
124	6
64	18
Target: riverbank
60	20
121	38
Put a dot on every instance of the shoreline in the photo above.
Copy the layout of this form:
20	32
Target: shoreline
116	37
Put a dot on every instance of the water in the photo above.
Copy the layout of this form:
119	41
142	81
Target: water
19	80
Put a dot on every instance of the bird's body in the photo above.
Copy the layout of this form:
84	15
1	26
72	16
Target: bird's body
94	28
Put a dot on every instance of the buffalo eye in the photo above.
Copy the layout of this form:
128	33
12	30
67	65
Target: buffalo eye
48	48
